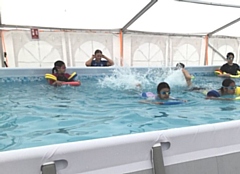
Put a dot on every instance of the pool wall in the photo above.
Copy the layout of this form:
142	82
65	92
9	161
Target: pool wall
20	73
209	148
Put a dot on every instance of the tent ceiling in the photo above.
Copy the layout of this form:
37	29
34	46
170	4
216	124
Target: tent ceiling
179	17
167	16
78	14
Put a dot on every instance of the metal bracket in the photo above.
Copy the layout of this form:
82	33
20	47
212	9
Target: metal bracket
49	168
158	164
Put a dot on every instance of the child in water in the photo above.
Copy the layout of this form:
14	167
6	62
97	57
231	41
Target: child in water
59	71
186	74
163	94
228	88
188	78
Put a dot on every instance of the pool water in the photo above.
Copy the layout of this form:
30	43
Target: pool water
36	114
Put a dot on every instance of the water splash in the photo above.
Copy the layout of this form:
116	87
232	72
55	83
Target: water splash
123	78
126	78
176	78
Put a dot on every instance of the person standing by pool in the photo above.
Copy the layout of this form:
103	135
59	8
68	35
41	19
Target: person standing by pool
229	68
96	60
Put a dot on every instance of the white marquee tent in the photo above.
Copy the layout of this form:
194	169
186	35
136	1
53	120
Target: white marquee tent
170	17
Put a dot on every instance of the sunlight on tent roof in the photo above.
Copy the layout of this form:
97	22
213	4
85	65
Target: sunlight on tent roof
180	17
80	14
166	16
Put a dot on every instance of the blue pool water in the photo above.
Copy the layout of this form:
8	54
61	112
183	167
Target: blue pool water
35	114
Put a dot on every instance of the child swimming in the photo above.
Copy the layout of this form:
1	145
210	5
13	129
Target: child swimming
186	74
228	88
59	71
163	95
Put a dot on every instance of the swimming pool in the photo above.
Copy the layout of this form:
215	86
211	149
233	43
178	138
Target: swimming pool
105	105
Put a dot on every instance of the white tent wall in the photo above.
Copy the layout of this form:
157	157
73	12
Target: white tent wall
71	47
75	48
149	50
187	50
224	45
83	45
24	52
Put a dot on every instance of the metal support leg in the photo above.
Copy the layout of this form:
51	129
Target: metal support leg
158	165
49	168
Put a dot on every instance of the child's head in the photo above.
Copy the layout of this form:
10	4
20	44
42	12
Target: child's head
59	67
228	86
230	57
163	90
180	65
98	54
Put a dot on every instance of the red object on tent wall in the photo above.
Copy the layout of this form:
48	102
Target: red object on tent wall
34	33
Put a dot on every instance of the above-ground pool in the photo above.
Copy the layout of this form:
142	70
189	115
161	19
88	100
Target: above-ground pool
33	113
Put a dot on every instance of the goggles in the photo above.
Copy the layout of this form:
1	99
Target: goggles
230	87
165	92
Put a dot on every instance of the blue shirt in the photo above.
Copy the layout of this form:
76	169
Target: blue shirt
101	63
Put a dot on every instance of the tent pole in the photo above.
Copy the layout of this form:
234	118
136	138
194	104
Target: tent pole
215	50
121	47
148	6
206	50
124	28
3	51
223	27
210	3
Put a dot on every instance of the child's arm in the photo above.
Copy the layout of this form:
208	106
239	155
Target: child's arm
109	61
187	76
54	82
89	62
218	98
57	83
177	99
150	102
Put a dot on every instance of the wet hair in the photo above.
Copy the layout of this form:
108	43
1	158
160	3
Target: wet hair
181	65
161	86
226	83
230	54
97	51
58	63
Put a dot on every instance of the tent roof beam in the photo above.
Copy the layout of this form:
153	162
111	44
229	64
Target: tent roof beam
223	27
139	14
210	3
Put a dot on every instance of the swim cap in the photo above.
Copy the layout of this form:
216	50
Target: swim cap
213	93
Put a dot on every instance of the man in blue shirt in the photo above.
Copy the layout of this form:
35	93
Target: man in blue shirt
96	60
